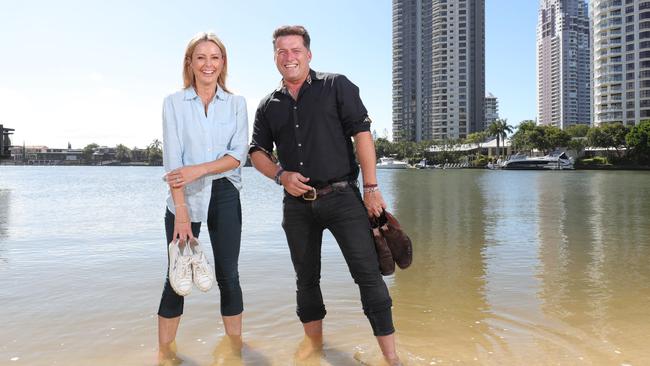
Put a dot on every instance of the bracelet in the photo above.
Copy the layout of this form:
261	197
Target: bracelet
370	185
370	189
277	177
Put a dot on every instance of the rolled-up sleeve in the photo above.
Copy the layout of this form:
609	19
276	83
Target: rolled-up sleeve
238	147
172	146
262	137
352	112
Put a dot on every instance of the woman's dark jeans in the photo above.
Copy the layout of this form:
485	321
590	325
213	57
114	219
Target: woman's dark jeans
341	212
224	227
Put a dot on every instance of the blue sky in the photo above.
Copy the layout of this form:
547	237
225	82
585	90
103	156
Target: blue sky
97	71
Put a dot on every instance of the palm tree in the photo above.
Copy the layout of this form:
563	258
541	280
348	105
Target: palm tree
500	129
154	152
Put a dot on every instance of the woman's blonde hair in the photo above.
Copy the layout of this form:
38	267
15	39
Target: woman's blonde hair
188	74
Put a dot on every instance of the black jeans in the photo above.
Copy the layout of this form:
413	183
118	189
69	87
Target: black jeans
341	212
224	227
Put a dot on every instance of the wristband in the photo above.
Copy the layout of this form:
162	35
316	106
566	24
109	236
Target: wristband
370	189
370	185
277	177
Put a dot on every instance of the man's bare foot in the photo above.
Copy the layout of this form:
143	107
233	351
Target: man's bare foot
311	347
374	359
393	361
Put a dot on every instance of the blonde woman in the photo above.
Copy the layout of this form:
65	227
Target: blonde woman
205	130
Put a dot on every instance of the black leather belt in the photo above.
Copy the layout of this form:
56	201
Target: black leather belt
317	192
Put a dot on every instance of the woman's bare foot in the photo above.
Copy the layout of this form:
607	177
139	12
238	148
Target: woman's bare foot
167	355
228	351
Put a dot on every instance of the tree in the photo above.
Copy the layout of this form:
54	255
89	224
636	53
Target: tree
122	153
500	129
611	135
529	136
555	137
579	130
382	147
521	139
617	133
476	137
404	149
87	152
638	140
577	144
154	153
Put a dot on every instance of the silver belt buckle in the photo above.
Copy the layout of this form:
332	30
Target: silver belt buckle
310	195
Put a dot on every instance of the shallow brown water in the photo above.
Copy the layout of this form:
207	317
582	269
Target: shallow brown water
510	268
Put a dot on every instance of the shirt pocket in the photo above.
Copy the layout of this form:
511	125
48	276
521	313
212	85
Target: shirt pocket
225	131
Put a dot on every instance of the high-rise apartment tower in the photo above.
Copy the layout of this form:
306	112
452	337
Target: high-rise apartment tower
621	60
563	63
491	110
438	68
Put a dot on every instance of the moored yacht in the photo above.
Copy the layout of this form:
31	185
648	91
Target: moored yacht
391	163
551	162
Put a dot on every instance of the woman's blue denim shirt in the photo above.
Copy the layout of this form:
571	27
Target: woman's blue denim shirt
189	138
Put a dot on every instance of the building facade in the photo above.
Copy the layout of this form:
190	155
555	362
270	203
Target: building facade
621	61
438	69
5	141
491	110
563	63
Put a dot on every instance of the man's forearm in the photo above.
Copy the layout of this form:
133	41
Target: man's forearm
263	163
365	147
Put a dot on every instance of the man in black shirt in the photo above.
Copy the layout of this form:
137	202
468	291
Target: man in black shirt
311	118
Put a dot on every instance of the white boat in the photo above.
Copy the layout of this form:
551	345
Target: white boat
423	165
558	161
391	163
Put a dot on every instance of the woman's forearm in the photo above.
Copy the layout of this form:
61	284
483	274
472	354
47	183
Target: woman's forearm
221	165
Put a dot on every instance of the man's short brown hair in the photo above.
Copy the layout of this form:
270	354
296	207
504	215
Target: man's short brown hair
292	30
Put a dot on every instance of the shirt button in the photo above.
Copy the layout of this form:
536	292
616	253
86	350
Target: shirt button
299	145
297	126
301	163
294	107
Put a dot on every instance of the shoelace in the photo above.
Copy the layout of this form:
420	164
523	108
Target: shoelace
185	264
199	265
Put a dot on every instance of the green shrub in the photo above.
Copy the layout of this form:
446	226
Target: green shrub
481	161
596	160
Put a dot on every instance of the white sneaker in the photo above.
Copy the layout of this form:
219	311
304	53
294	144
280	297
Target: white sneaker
180	268
202	272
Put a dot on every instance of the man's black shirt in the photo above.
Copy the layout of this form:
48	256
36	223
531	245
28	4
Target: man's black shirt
313	133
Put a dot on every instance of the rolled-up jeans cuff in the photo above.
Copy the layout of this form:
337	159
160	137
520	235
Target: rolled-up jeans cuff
381	321
311	315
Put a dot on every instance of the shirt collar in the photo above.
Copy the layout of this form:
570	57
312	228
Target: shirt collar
312	75
190	93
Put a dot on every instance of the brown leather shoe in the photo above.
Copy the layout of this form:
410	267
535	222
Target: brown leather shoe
398	242
386	262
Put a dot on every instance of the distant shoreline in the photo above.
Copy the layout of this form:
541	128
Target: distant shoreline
592	167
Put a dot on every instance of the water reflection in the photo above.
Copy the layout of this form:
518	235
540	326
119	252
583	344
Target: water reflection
5	203
5	206
440	301
595	255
